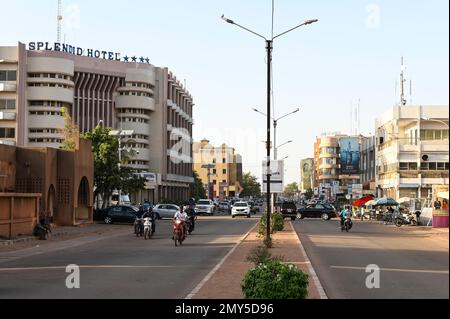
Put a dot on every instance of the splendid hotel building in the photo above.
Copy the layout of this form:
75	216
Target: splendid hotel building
36	85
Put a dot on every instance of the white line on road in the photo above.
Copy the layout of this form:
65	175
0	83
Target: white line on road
314	276
96	267
203	282
444	272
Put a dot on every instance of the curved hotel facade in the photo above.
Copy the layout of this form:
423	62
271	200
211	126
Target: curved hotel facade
36	85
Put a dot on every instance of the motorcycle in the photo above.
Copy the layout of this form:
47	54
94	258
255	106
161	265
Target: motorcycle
148	223
43	231
348	224
178	233
405	219
139	227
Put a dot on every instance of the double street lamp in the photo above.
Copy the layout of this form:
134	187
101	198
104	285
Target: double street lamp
269	48
275	125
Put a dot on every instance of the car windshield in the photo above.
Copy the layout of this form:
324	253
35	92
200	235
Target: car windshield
203	202
240	205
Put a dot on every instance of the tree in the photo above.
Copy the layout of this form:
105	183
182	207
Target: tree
309	194
108	174
70	132
290	190
197	190
251	186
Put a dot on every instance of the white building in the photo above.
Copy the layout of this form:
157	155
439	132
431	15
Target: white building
412	151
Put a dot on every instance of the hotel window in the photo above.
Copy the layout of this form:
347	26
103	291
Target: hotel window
432	166
224	171
7	104
7	132
8	76
404	166
440	166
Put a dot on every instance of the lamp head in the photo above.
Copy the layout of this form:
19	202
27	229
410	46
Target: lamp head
227	20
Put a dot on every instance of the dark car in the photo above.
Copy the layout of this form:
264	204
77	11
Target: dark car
118	214
288	209
318	210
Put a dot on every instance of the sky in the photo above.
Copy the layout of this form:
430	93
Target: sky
350	57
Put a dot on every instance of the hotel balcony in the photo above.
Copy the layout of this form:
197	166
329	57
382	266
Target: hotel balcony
7	116
8	87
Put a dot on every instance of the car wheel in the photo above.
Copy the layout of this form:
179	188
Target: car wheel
325	216
108	220
157	216
300	216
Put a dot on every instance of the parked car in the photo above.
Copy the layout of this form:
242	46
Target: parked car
118	214
205	206
240	209
224	206
324	211
288	209
165	211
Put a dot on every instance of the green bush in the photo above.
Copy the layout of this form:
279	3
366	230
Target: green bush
277	221
275	280
259	255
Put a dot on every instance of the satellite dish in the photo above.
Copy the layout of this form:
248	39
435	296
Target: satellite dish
425	158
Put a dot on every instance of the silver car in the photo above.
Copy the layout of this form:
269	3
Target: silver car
165	211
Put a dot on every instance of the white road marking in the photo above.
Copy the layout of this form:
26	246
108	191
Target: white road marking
444	272
314	276
96	267
212	272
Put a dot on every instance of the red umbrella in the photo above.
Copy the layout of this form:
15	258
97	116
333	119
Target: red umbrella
360	202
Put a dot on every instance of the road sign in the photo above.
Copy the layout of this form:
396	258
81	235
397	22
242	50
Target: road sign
276	178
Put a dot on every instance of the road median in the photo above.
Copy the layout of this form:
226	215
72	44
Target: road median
225	281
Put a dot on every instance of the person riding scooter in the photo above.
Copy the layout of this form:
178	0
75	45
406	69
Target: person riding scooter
181	216
344	214
148	212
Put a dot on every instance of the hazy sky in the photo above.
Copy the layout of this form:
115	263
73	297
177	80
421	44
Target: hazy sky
352	53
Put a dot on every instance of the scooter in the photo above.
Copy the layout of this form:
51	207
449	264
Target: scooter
348	224
405	219
43	231
148	223
178	233
139	227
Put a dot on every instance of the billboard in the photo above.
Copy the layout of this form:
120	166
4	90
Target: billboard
350	155
307	171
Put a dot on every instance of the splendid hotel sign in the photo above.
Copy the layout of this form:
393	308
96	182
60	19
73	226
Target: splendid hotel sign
91	53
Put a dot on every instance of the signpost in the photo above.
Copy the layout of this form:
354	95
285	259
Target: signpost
277	177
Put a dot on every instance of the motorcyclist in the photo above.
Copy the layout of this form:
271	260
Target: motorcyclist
148	212
182	216
190	211
344	214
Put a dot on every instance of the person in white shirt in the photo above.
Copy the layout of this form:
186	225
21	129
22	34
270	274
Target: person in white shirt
363	211
182	216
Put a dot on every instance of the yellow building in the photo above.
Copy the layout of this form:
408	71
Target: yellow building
226	176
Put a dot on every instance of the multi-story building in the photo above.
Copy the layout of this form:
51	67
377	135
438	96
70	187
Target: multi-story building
100	87
367	165
306	174
412	151
226	176
331	177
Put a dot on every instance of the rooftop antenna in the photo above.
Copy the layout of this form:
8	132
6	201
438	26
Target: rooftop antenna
403	101
59	20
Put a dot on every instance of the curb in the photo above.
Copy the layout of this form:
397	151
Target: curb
192	294
12	242
314	276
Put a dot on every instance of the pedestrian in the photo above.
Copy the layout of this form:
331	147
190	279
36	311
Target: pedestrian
362	212
437	204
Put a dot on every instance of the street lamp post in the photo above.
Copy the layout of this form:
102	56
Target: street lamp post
209	167
120	134
275	125
269	48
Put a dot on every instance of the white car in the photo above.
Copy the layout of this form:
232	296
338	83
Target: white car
205	206
240	209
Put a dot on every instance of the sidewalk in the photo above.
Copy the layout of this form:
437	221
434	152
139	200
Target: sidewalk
225	283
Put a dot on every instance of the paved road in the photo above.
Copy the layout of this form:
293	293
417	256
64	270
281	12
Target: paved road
121	265
414	264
